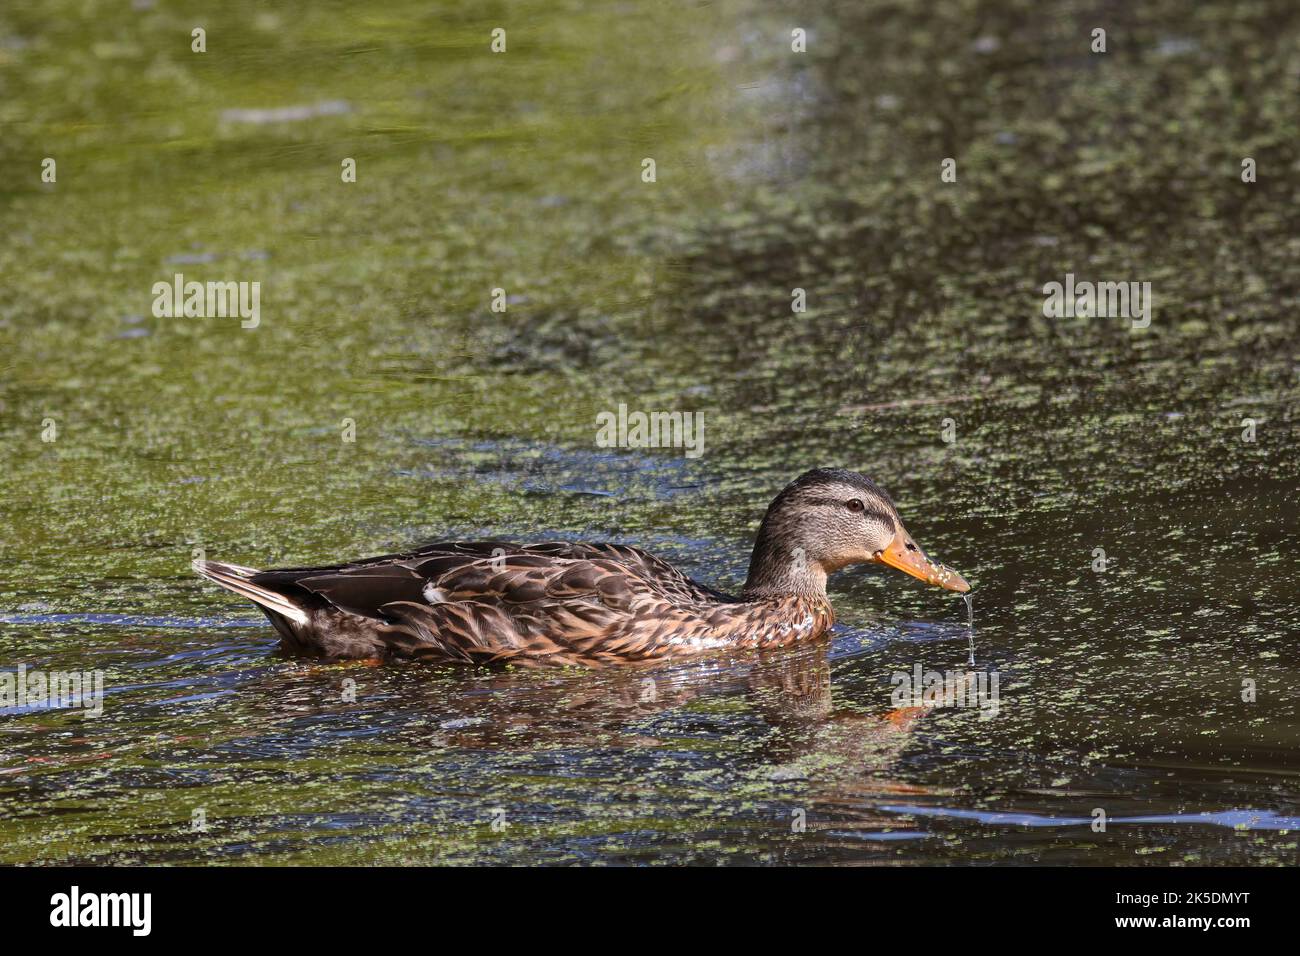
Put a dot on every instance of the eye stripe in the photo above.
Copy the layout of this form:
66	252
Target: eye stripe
868	510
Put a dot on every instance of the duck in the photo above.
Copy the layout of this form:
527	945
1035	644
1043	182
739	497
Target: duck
587	604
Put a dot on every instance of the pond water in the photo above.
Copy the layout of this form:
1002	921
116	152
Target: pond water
1122	499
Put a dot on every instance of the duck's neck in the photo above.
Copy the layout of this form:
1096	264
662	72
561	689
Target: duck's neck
777	570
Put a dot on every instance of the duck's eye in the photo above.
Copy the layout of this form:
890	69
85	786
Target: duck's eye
856	505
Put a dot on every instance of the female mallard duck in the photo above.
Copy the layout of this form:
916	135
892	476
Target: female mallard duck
590	604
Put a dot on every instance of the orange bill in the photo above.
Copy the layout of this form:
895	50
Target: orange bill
903	554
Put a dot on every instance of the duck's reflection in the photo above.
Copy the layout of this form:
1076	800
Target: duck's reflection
784	697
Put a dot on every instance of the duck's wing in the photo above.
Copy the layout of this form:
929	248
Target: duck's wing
492	601
648	567
527	608
543	609
365	585
645	565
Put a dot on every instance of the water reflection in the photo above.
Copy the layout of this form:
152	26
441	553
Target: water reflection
787	699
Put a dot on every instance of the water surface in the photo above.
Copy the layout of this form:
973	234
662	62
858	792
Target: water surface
1119	690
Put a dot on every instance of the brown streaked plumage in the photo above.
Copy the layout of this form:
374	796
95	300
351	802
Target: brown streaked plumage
587	604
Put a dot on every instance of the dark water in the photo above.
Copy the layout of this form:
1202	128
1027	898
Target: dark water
1160	691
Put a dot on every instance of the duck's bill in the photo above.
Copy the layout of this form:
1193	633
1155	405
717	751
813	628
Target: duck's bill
903	554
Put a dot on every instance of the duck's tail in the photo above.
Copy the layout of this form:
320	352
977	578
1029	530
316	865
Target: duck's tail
235	578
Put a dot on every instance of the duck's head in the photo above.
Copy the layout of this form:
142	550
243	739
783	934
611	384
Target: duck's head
827	519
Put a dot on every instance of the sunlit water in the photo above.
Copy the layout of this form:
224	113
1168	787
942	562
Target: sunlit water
1133	555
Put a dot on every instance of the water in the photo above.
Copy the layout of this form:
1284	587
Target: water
969	600
1160	689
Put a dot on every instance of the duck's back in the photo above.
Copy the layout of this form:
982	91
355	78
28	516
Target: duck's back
489	601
